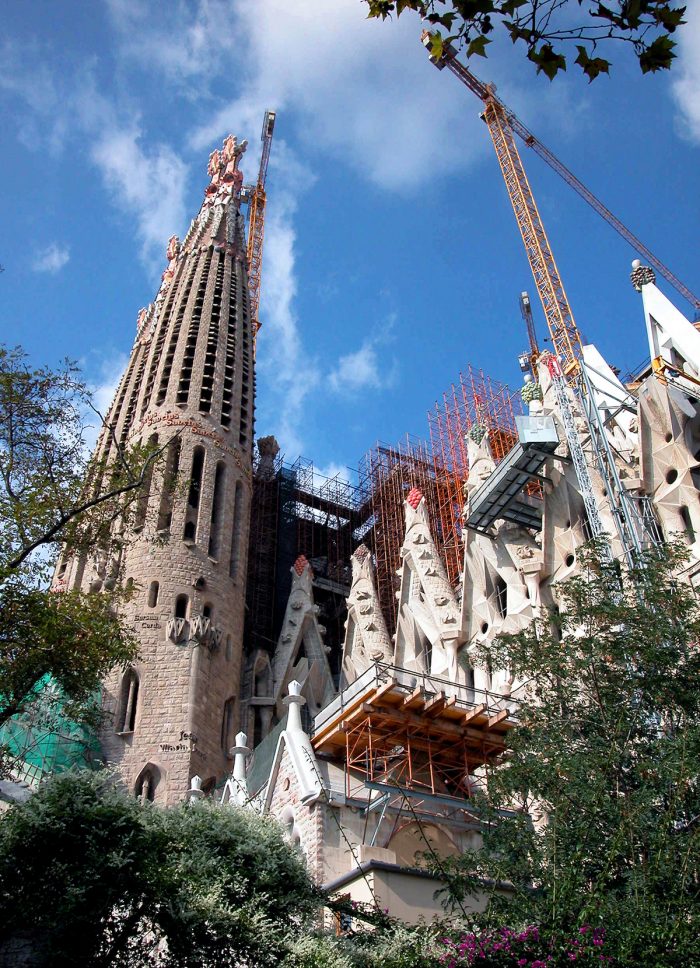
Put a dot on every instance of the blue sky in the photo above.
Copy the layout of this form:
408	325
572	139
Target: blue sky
392	258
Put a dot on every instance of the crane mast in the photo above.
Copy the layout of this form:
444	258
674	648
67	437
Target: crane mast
486	92
634	526
256	226
526	313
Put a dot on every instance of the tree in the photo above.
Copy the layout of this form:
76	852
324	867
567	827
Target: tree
92	876
546	27
51	494
50	490
593	819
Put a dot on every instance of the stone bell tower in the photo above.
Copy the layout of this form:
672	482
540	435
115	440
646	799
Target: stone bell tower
188	387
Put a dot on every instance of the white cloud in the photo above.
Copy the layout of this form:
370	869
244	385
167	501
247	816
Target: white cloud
146	183
369	367
334	470
287	372
686	87
192	42
362	91
51	259
361	370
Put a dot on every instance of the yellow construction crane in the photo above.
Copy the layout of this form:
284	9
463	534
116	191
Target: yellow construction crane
256	226
631	513
503	124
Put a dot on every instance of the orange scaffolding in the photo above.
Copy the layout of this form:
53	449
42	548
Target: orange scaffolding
386	474
395	731
475	401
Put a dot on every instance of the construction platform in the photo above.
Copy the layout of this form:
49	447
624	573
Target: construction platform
394	728
501	495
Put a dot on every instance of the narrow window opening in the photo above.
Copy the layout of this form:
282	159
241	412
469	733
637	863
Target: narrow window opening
208	610
227	725
142	502
153	594
687	523
157	353
172	346
190	531
236	530
129	702
501	589
217	513
145	787
172	466
183	389
207	388
196	478
181	603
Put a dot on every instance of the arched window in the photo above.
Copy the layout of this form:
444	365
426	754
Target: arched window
501	596
208	610
153	594
227	724
172	466
128	702
146	782
193	495
196	477
217	510
145	491
236	530
181	603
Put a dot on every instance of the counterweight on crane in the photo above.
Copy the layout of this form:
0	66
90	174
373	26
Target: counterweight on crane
256	225
486	92
634	527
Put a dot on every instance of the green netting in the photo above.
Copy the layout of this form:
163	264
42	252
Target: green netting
44	739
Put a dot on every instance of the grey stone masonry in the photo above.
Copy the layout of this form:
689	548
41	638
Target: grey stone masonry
188	385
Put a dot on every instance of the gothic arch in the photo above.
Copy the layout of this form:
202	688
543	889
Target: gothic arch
147	782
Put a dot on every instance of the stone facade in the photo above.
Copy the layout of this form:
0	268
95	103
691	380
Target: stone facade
369	850
188	388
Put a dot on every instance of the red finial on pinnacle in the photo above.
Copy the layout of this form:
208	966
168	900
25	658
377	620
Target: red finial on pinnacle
414	497
300	564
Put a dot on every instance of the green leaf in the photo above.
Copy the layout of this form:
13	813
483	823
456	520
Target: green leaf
658	55
547	60
436	45
478	46
591	66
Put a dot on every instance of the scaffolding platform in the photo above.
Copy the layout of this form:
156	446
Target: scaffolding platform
502	495
404	730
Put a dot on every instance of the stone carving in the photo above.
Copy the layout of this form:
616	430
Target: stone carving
174	629
301	652
428	635
481	463
366	636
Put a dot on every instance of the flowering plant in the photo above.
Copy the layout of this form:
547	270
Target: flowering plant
525	949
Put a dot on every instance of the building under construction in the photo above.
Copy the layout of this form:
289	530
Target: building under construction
328	627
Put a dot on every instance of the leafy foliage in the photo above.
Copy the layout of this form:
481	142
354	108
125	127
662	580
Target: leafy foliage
91	876
601	781
45	502
74	638
545	26
50	492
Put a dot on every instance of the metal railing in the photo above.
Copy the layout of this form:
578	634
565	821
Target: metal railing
407	681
